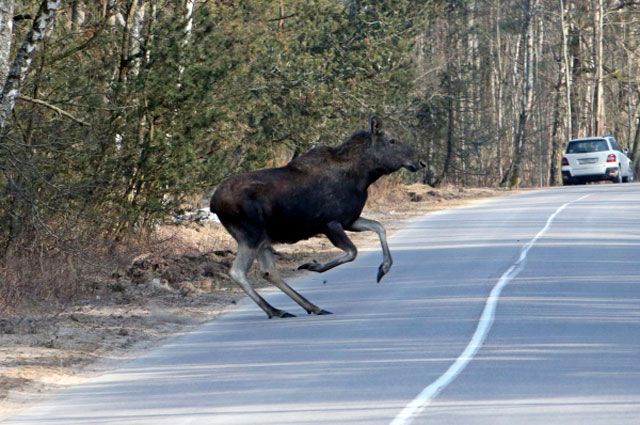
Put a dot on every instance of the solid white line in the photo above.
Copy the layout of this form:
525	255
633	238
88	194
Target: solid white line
426	396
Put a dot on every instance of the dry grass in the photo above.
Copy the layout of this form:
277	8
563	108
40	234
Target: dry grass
44	278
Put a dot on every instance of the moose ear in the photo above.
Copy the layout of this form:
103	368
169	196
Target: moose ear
375	125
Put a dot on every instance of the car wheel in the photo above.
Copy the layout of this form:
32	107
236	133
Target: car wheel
618	178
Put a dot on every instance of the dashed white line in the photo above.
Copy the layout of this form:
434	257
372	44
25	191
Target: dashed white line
426	396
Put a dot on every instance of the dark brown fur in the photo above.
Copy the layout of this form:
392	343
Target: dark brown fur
320	192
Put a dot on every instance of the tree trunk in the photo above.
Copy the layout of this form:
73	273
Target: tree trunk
513	176
555	173
188	29
564	22
497	82
20	67
450	140
543	143
77	15
574	42
137	39
448	160
598	87
125	64
636	142
6	32
189	6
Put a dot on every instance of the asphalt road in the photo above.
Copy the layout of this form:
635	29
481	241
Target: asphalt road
517	310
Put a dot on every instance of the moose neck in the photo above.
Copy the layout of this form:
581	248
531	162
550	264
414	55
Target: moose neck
368	172
374	174
362	166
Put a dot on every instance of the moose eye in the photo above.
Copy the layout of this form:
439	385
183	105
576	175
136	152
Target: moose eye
392	141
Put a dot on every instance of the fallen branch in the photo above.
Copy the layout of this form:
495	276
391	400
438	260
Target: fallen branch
52	107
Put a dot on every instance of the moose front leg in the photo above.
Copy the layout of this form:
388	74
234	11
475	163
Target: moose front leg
338	238
364	224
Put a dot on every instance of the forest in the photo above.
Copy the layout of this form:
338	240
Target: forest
116	114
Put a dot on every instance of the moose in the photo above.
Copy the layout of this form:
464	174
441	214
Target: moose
321	192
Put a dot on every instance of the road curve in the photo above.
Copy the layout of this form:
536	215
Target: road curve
562	346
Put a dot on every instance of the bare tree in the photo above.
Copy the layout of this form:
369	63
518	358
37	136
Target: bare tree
513	176
555	174
497	87
564	22
598	52
450	141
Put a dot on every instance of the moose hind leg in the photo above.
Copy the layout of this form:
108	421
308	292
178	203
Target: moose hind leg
338	238
268	267
364	224
241	265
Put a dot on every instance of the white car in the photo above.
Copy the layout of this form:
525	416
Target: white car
593	159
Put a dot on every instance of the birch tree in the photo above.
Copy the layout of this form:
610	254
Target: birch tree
6	33
598	52
513	176
22	62
557	141
566	65
498	88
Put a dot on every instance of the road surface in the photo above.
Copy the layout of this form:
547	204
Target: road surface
516	310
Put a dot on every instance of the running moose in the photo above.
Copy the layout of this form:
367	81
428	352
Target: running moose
320	192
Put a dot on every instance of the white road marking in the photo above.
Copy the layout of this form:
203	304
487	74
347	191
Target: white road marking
426	396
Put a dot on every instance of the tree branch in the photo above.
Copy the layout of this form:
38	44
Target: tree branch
53	108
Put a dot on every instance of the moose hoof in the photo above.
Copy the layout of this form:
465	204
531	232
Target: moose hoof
281	314
313	266
382	270
320	312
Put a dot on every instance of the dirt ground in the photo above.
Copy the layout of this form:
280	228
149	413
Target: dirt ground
172	289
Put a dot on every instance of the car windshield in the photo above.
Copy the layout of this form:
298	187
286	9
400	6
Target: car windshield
586	146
